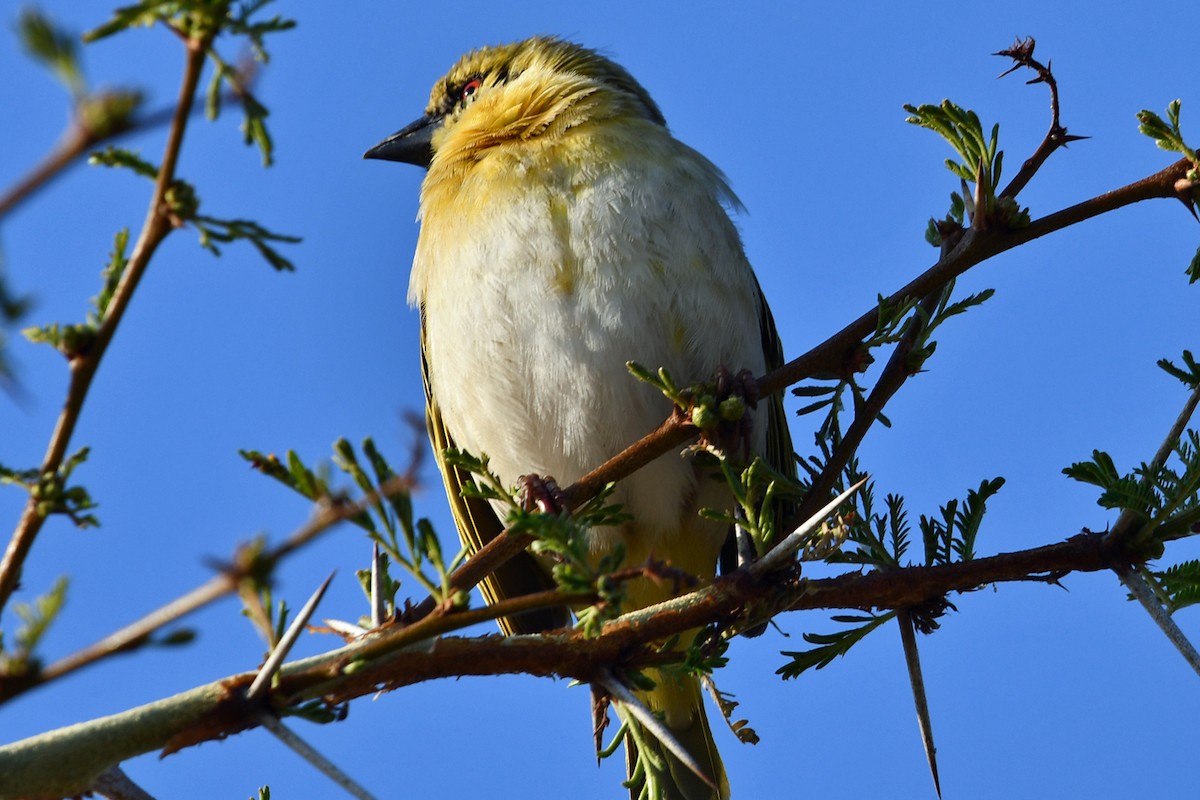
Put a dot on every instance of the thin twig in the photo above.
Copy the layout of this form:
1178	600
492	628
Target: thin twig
1022	55
78	139
74	143
1181	422
571	654
894	374
482	563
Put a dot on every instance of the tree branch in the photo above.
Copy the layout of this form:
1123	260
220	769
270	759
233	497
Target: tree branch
1022	55
157	225
74	143
67	761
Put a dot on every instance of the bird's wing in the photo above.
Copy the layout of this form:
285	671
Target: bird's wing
478	524
779	440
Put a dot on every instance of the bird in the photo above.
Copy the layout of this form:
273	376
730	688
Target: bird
564	232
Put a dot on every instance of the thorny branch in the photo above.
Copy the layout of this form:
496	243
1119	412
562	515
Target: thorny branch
396	657
1022	55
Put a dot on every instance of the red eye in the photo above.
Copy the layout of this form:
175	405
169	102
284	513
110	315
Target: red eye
469	88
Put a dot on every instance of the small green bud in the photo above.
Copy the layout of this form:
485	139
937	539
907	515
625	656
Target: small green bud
76	494
703	417
460	599
76	340
732	408
181	199
107	113
357	665
432	547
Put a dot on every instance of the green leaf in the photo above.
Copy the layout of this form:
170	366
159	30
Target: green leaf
1189	374
143	14
124	158
52	46
1167	135
830	645
1120	491
36	618
52	494
75	340
1180	584
1100	471
952	536
971	516
660	380
111	275
222	230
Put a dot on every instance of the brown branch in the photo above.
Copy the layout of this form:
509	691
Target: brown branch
55	763
627	640
674	431
71	146
1022	55
894	374
157	225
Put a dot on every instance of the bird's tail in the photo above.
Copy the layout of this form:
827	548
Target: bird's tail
654	772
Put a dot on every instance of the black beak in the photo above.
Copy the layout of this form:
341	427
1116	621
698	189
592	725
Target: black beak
412	144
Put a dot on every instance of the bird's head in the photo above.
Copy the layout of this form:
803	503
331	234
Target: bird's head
536	89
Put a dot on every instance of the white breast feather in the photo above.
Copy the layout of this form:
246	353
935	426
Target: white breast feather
659	278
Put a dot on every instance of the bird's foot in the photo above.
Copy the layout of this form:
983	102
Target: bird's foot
541	493
733	395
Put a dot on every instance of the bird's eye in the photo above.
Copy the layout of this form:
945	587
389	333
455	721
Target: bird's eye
469	88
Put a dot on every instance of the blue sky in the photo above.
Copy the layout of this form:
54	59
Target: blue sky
1034	690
